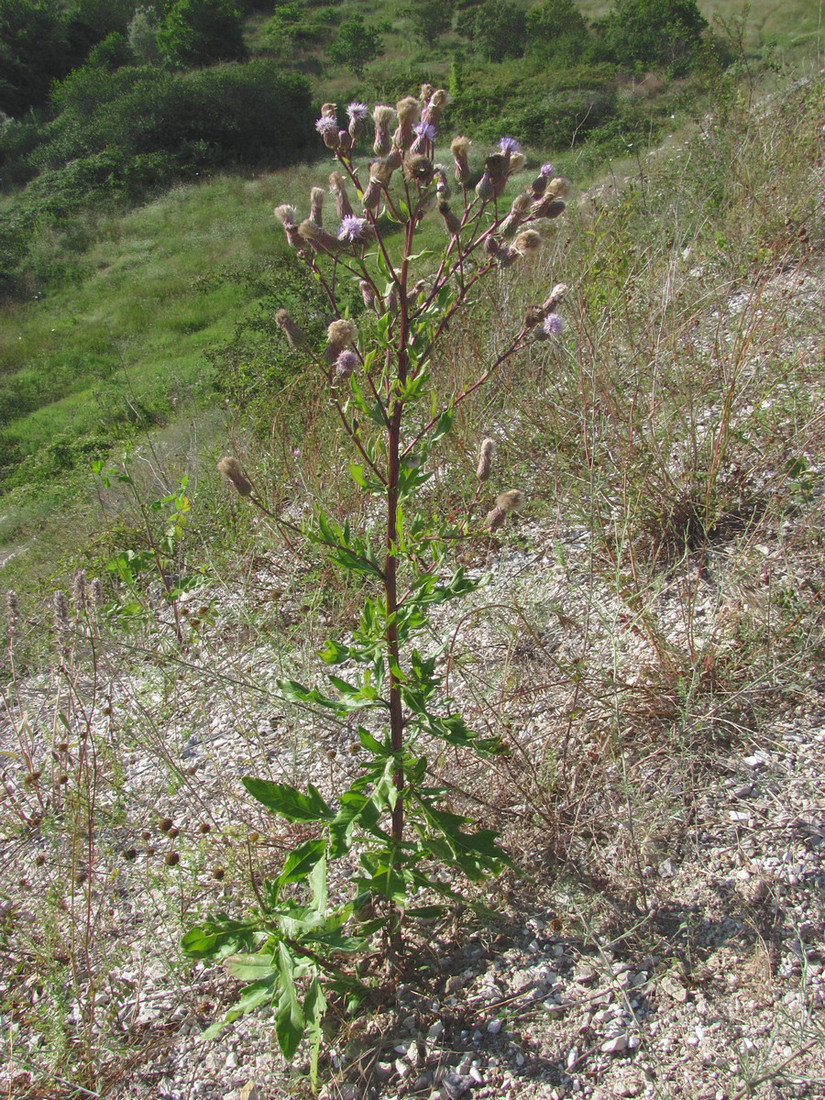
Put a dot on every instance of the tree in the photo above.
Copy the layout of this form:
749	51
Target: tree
430	19
201	32
143	36
556	28
355	45
33	53
655	33
499	30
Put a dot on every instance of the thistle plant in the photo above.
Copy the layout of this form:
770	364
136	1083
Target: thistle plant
395	816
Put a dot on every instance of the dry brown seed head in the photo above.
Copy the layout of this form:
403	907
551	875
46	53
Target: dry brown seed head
528	243
341	332
420	169
231	468
286	214
511	501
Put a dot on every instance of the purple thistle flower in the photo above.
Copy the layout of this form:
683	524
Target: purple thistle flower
326	125
547	170
509	145
345	364
552	324
352	229
425	130
357	111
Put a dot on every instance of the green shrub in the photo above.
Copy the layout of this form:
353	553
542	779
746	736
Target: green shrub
355	45
556	29
202	32
662	34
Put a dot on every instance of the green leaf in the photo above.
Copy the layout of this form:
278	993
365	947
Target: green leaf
301	861
288	801
315	1006
251	997
442	426
219	936
318	885
255	968
289	1016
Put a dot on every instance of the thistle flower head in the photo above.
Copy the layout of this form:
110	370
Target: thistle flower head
341	332
528	243
451	221
425	130
419	169
327	127
12	610
408	109
484	187
231	468
382	116
357	112
495	168
367	293
317	238
353	230
547	170
460	148
511	501
425	93
343	207
552	324
517	162
557	294
293	333
329	110
345	364
79	591
485	459
286	214
560	187
61	611
316	205
509	145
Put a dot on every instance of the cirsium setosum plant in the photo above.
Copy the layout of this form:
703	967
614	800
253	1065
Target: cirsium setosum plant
394	815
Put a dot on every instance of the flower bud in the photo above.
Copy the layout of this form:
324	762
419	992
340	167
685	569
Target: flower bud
316	205
291	330
450	220
460	147
485	459
382	116
343	207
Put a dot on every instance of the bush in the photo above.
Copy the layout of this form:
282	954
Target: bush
33	47
355	45
556	29
202	32
662	34
497	27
